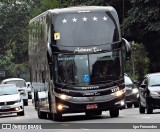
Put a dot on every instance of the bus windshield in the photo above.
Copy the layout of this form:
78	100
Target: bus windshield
70	29
83	70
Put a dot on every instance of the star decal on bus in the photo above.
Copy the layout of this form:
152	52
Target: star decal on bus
74	19
104	18
94	18
64	20
84	19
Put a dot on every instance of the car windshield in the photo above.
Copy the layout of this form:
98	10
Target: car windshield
83	70
8	90
127	80
154	80
18	83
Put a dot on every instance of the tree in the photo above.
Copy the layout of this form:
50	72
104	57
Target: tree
143	25
138	65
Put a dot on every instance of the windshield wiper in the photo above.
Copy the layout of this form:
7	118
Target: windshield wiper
108	81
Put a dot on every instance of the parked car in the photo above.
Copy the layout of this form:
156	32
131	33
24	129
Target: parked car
29	90
131	93
10	100
149	91
21	85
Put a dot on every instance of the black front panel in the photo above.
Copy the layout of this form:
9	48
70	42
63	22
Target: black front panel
85	29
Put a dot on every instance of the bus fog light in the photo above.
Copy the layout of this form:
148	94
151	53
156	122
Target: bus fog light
119	93
122	103
60	107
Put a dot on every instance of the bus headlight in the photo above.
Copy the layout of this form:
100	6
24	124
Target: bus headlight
118	93
62	96
135	90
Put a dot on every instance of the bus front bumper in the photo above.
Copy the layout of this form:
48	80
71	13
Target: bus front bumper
92	103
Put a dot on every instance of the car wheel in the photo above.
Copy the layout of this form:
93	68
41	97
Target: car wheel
21	113
114	113
141	109
149	109
129	105
57	116
25	102
41	115
136	105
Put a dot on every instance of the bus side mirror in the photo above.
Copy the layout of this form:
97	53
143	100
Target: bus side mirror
127	47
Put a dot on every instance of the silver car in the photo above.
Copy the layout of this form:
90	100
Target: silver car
131	93
10	100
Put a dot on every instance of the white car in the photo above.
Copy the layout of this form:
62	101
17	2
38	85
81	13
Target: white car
10	100
21	85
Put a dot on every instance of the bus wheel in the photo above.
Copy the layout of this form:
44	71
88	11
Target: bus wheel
141	109
129	105
57	116
114	113
41	115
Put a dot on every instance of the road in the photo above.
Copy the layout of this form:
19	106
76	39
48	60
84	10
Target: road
126	116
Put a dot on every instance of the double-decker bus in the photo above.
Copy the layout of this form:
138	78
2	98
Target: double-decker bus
76	58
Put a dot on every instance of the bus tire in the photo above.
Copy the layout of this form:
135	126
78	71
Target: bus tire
114	113
57	116
129	105
141	109
149	109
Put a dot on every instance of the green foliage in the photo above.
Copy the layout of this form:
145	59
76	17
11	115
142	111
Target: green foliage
138	66
143	25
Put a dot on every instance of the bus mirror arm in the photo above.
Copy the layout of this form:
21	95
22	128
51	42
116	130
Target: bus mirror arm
49	49
127	48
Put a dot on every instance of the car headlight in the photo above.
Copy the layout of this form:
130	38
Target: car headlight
18	101
154	94
135	90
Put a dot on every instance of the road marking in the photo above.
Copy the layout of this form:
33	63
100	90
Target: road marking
85	129
146	117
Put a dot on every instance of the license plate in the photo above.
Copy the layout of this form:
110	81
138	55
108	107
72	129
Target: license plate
5	107
92	106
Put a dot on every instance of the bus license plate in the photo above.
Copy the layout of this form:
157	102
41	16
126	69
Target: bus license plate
92	106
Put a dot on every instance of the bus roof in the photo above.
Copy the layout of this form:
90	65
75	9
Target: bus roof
76	9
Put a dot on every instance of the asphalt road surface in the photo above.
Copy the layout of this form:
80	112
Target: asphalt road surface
129	119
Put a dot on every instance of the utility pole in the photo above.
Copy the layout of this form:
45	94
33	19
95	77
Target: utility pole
133	58
123	15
